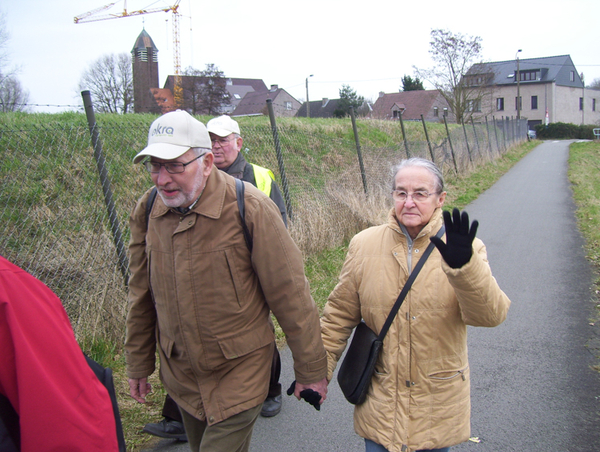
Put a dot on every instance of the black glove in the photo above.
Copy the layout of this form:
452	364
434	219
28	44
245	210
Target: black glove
311	396
458	249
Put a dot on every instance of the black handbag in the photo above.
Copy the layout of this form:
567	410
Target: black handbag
356	371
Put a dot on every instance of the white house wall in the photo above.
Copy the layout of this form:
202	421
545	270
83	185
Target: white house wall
562	103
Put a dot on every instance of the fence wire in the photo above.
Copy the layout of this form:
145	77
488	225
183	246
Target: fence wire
55	223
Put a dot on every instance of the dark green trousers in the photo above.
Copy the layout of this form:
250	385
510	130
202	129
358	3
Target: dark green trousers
231	435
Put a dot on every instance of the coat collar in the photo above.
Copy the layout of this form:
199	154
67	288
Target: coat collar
430	229
211	201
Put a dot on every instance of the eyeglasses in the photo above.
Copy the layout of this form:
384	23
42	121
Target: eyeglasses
221	141
417	196
171	167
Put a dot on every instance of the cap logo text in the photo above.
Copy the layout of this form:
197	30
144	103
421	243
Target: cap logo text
158	130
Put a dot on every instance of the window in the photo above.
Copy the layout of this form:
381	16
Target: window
593	104
445	112
500	104
580	103
534	102
518	103
435	112
527	76
474	105
288	105
398	113
572	76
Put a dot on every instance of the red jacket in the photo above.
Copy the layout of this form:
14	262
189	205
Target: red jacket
61	404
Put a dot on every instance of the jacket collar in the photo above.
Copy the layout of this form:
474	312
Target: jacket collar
430	229
211	201
238	165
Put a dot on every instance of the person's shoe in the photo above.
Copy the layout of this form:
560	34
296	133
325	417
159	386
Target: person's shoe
271	407
167	428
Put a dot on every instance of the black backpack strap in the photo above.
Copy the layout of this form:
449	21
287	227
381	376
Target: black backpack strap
105	376
149	204
239	192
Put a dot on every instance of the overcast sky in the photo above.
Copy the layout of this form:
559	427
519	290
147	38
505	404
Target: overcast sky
368	45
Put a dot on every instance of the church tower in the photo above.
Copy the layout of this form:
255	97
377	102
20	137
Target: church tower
144	57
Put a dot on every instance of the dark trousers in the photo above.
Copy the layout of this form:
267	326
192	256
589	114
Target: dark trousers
171	410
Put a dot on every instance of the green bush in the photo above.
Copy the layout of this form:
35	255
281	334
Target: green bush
565	130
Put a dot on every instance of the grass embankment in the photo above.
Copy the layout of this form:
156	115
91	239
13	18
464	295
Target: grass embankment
584	174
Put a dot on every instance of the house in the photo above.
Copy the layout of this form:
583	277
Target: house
319	108
238	88
255	103
411	105
550	90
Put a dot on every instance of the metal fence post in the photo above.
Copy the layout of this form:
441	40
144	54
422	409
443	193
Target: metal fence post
451	148
404	135
475	135
358	151
427	138
467	141
284	182
487	129
105	182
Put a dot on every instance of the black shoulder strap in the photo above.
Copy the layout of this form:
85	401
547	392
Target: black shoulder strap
407	286
239	191
149	204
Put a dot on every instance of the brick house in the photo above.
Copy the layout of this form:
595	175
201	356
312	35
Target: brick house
411	105
255	103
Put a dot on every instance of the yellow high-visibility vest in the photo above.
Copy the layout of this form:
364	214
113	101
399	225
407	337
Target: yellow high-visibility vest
263	177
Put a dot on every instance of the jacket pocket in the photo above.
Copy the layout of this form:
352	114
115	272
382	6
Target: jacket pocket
239	345
449	374
449	387
235	276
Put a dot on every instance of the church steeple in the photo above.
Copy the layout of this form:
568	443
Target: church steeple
144	57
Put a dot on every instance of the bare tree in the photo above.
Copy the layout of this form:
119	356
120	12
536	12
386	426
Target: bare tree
110	82
191	84
595	84
12	95
204	92
453	55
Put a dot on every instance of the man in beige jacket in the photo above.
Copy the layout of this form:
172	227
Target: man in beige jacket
199	293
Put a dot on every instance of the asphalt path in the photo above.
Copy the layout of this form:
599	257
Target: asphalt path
532	385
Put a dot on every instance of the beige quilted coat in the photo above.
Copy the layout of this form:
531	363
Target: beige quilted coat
419	396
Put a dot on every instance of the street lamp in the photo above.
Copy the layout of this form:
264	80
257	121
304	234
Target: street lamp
307	101
518	86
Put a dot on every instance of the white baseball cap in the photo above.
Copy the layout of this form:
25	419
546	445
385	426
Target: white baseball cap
223	126
172	135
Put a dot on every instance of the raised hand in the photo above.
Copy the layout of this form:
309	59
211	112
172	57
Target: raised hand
458	249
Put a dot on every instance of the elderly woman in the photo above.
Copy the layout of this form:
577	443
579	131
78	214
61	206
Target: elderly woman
419	394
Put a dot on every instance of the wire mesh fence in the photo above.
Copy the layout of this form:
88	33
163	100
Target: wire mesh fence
57	225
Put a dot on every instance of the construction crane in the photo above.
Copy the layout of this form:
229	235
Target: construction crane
90	16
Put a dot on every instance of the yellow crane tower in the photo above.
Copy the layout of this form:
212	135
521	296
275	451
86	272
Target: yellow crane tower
90	16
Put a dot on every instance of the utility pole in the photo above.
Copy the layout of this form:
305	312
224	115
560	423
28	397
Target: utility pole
307	101
518	87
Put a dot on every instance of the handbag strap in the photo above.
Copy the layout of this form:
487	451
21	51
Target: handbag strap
407	286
